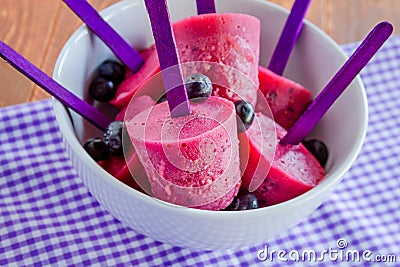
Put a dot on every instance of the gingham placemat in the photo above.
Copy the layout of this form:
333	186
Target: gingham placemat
49	218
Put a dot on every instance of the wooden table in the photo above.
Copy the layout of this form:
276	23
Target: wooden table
39	28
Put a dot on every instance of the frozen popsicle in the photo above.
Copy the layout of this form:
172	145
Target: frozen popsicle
286	98
291	170
229	39
127	89
192	160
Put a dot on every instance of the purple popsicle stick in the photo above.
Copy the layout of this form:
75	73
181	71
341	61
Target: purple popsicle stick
94	116
367	49
169	62
205	6
288	37
128	55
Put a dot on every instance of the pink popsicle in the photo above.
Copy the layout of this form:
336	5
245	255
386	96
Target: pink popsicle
237	49
193	160
286	98
131	84
229	39
292	170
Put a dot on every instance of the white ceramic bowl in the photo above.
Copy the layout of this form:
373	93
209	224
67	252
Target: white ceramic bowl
314	61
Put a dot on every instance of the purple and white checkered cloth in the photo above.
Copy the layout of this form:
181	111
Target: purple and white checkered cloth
49	218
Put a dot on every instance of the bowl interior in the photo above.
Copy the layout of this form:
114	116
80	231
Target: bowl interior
315	59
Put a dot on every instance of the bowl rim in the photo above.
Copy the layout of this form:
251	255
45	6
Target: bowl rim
69	136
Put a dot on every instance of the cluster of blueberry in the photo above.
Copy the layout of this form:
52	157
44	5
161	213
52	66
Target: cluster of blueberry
100	148
109	76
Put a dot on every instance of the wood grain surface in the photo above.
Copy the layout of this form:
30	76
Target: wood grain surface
39	28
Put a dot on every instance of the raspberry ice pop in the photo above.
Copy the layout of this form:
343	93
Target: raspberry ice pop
286	98
292	170
229	39
127	89
192	160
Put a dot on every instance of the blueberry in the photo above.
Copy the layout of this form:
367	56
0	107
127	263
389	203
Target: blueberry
102	89
318	149
244	112
113	137
244	201
112	71
198	87
96	148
